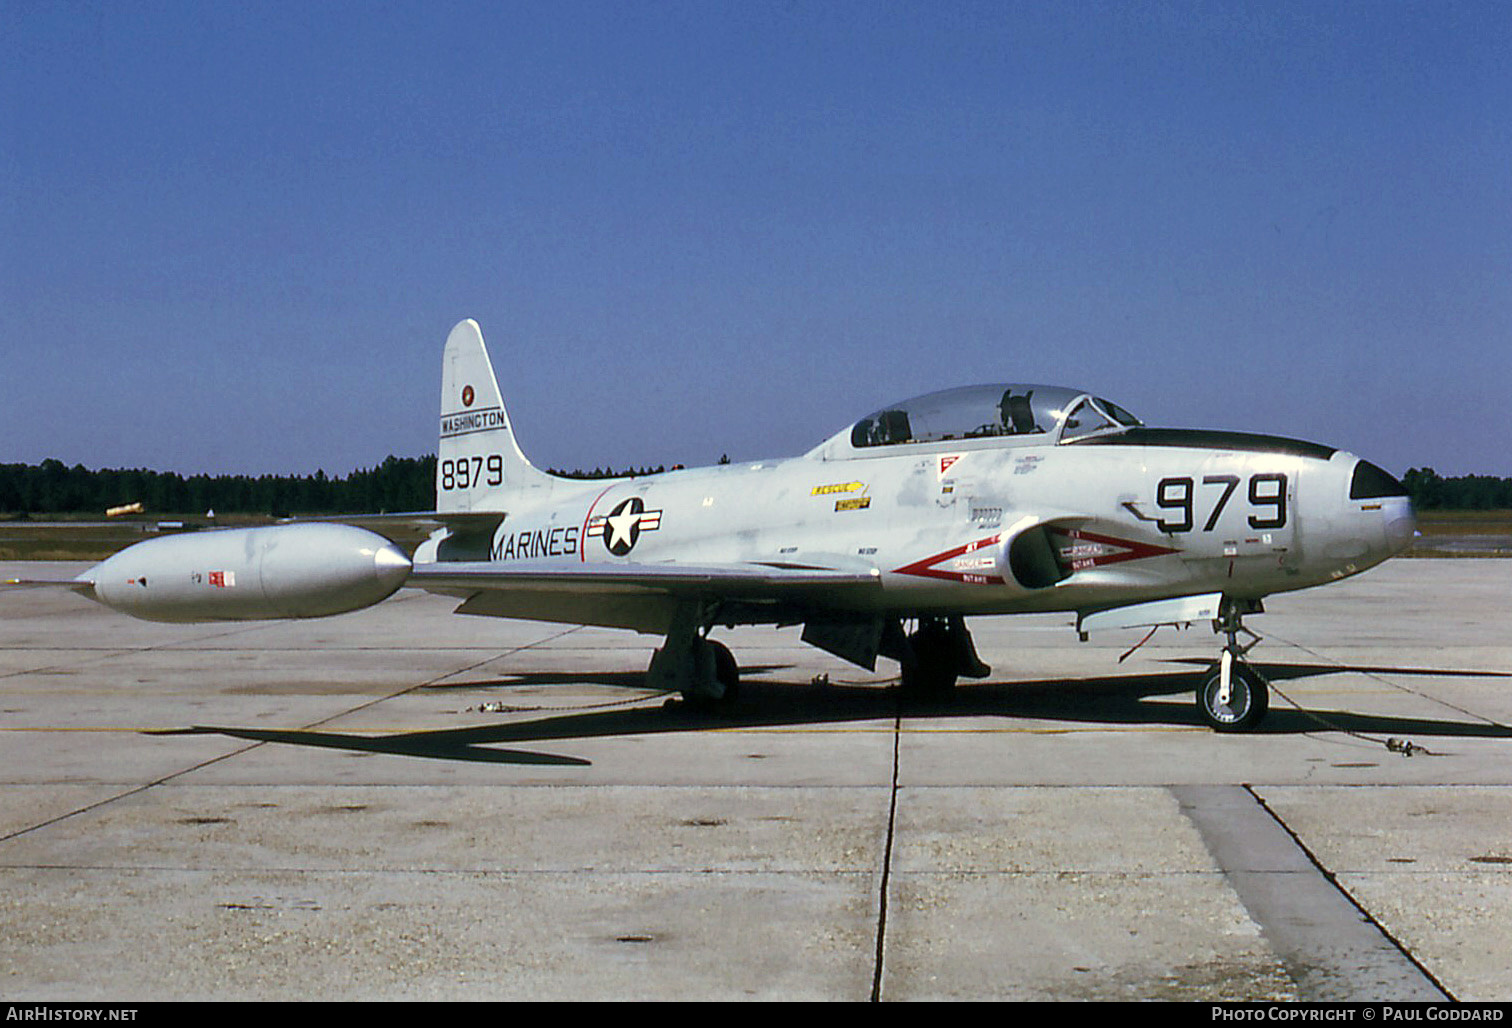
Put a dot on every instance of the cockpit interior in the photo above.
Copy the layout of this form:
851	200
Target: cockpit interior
1028	413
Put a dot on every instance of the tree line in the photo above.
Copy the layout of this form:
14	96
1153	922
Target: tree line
397	484
409	484
1431	491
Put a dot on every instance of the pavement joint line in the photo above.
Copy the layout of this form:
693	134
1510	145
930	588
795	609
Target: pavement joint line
463	872
715	730
246	749
1332	879
1393	686
1334	950
105	653
887	851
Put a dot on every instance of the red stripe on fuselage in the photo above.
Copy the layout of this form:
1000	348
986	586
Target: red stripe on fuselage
1131	551
926	568
583	533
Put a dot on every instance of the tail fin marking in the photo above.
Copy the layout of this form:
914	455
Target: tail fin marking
479	465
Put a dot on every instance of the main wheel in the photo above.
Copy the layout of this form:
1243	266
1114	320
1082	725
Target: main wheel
726	673
932	671
1247	703
726	670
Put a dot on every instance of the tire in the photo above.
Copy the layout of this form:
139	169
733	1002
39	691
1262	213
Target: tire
726	672
932	671
1248	699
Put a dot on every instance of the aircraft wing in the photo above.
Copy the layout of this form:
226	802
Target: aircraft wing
739	581
460	522
639	596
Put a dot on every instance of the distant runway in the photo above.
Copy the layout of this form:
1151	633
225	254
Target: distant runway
406	804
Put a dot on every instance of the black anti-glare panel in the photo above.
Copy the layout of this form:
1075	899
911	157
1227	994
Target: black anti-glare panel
1206	439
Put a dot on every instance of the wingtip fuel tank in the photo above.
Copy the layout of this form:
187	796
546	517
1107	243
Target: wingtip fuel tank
281	571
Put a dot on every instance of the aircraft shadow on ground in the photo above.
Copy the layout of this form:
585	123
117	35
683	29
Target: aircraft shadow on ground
1109	700
615	679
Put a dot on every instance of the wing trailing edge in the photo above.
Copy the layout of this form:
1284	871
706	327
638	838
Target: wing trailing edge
644	597
732	581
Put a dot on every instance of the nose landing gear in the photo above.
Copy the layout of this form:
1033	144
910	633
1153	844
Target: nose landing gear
1232	697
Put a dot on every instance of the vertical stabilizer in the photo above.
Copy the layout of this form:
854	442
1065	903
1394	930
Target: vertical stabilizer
479	466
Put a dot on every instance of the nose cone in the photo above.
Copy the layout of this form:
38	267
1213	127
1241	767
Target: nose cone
391	567
1379	494
1401	526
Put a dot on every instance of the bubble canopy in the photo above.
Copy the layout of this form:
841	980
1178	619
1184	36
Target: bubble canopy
1028	413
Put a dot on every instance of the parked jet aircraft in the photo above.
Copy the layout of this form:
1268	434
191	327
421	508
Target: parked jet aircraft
996	499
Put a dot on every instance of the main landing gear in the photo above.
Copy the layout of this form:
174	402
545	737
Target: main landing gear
937	653
691	663
1232	697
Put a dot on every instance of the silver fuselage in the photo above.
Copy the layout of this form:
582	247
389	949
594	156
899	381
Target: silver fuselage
987	526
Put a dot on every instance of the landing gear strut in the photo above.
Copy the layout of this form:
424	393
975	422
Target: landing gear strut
691	663
1231	696
938	653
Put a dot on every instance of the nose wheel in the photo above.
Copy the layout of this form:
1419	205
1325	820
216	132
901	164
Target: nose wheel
1232	697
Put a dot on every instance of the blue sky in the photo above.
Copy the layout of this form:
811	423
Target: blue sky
233	236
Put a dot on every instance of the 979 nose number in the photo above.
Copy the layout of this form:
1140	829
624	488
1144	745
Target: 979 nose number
1182	496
